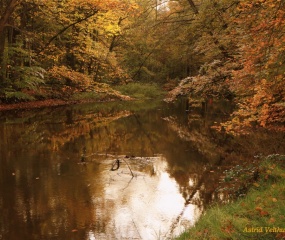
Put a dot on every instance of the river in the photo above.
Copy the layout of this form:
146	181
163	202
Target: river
56	180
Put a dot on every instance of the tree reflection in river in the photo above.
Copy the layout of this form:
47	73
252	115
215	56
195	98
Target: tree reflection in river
47	192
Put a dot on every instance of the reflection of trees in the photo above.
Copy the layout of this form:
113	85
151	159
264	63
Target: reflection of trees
38	196
64	197
210	152
202	155
82	127
56	130
42	198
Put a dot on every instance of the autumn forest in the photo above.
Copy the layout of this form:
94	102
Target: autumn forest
233	49
142	119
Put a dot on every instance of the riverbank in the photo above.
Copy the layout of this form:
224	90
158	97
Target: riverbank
258	215
34	104
77	98
132	91
50	103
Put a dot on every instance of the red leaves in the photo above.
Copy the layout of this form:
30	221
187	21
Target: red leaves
229	228
261	211
280	236
261	48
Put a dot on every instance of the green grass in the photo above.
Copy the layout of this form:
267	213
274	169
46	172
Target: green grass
88	95
258	215
140	90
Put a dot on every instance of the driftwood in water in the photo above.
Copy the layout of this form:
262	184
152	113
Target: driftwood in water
116	166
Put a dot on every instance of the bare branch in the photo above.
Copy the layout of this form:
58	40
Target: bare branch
66	28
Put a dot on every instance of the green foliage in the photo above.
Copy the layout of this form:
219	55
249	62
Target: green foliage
239	179
158	48
140	90
24	87
28	77
16	96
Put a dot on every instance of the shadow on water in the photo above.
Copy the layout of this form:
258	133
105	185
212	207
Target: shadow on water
56	182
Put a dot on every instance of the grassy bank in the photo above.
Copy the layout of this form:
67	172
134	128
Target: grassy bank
258	215
140	90
96	93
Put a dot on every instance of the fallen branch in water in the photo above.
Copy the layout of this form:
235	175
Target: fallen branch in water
116	166
129	167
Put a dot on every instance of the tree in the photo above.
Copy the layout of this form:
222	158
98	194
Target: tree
260	82
157	45
37	36
6	14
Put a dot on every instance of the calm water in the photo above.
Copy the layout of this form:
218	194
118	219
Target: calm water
56	183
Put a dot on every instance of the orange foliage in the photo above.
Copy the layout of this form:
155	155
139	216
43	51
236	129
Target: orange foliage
260	83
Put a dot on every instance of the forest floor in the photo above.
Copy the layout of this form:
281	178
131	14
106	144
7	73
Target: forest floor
260	214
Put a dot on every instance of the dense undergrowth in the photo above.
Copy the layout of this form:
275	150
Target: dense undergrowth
69	85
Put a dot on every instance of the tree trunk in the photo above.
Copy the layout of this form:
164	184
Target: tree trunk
113	42
193	6
11	5
2	57
7	14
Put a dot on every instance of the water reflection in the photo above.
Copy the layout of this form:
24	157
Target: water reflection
144	207
55	173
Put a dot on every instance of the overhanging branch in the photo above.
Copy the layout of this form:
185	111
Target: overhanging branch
66	28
